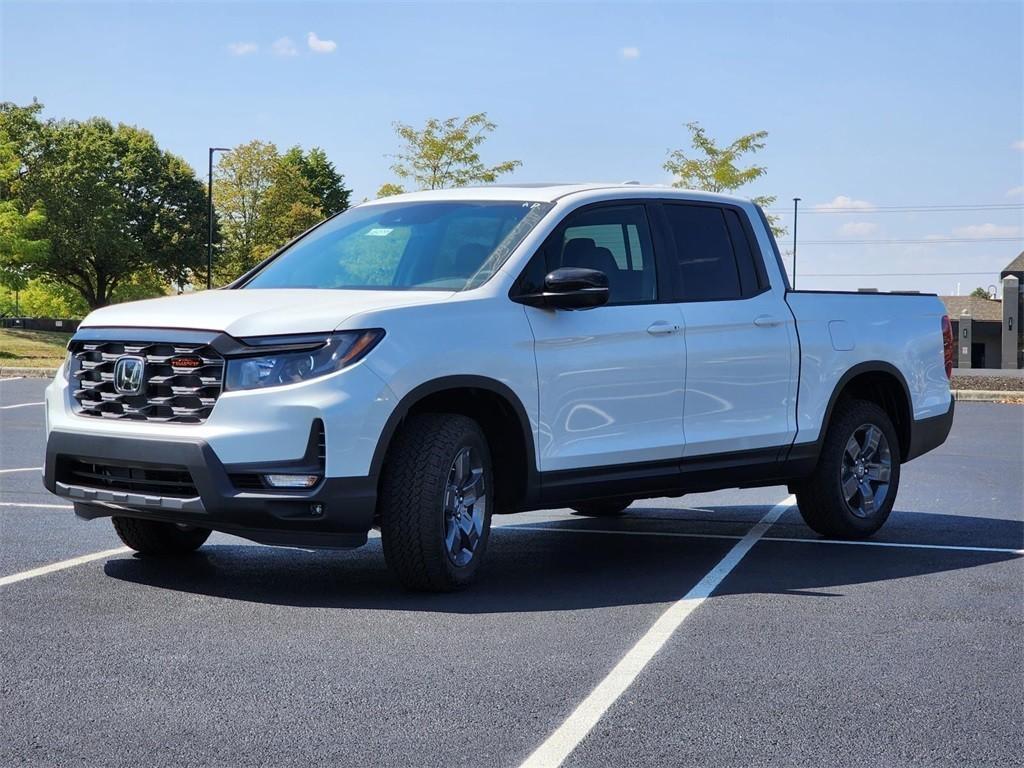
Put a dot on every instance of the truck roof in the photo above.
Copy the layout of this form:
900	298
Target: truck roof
550	192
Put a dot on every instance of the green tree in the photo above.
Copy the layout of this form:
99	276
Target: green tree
712	168
115	205
389	189
444	154
288	210
262	201
981	293
22	237
40	299
240	185
322	179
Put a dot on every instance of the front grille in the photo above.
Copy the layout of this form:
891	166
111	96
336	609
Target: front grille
169	392
173	481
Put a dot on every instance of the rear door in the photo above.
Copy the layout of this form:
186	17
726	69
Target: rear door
740	340
611	377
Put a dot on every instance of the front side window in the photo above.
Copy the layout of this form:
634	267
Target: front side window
615	240
445	245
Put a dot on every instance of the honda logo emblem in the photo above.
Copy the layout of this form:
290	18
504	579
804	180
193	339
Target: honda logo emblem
128	375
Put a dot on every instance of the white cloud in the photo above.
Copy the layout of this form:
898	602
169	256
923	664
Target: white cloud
630	52
1015	192
986	230
316	45
844	203
1018	145
284	47
858	229
242	49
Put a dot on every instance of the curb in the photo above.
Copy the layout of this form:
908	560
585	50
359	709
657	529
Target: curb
28	373
988	396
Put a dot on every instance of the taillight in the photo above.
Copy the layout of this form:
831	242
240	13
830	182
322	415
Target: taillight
947	345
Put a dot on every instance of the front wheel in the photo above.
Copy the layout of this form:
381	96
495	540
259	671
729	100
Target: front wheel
149	537
853	488
435	502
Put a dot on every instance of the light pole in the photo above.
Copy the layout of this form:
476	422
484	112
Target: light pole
209	198
796	202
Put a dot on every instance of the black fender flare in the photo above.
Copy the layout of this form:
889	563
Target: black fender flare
465	381
868	366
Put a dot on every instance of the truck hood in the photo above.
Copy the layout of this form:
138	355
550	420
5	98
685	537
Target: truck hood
256	312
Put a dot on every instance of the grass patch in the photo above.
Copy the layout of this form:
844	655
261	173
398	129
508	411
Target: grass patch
32	349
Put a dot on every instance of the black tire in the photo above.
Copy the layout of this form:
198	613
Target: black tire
416	514
821	498
603	508
149	537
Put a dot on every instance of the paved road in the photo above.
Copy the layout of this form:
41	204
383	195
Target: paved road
808	653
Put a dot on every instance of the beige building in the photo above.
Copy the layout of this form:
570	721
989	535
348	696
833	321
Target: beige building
988	331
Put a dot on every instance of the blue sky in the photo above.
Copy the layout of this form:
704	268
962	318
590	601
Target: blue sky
876	104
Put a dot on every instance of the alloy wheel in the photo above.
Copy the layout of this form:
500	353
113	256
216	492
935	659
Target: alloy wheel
865	472
465	506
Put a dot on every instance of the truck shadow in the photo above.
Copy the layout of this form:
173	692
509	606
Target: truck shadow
577	563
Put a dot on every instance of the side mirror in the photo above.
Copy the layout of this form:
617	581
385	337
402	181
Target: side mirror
570	288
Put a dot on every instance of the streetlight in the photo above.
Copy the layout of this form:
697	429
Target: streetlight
209	239
796	202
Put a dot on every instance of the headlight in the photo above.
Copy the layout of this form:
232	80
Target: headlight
299	359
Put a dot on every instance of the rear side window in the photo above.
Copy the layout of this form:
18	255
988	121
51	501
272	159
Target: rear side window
714	252
704	252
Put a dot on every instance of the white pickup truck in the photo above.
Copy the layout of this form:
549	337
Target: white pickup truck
420	362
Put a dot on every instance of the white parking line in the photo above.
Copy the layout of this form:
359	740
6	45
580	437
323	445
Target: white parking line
796	540
18	405
12	378
62	565
674	534
21	469
907	545
560	744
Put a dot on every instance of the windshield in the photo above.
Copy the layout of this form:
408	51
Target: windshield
447	246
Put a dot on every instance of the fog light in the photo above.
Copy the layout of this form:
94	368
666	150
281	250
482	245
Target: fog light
291	481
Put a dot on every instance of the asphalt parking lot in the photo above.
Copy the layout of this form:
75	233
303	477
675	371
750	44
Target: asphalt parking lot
806	652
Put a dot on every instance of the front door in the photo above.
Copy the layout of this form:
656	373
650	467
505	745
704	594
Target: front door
610	378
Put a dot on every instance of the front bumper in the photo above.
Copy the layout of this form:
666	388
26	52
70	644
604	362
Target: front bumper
260	425
337	513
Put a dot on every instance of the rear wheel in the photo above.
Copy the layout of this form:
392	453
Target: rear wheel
435	502
603	508
149	537
853	488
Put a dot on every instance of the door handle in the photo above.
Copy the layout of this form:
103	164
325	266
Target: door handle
661	327
767	321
